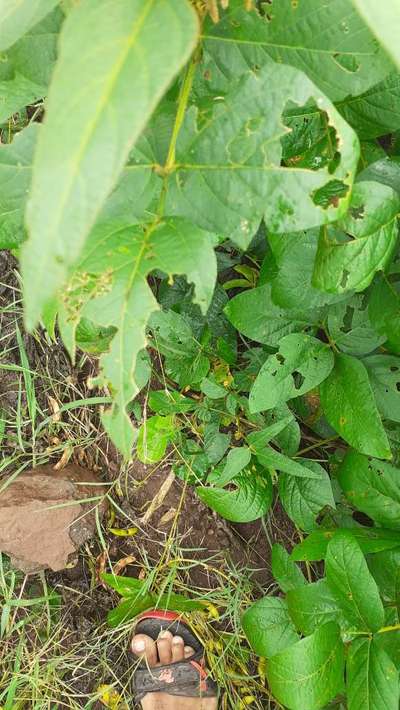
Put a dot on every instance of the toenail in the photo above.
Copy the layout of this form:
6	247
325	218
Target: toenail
177	639
163	635
139	645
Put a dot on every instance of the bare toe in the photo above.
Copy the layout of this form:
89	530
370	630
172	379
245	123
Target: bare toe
188	651
164	647
177	649
144	646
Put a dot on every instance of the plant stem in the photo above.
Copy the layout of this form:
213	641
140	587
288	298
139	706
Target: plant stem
182	106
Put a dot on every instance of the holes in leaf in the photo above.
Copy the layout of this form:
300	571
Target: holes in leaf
280	358
311	142
363	519
398	386
394	368
357	212
298	379
348	62
330	194
345	278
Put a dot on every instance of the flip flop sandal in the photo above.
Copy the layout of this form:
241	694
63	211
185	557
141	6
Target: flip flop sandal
185	678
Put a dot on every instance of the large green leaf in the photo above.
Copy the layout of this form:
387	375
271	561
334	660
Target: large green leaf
15	175
349	406
314	547
301	363
255	315
377	111
352	584
385	170
25	69
372	679
294	256
249	498
328	41
18	16
373	487
268	626
383	22
362	243
229	173
236	460
110	281
304	498
384	376
312	605
309	673
384	310
71	175
285	571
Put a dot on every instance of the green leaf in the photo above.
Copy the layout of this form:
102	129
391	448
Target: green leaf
362	243
249	499
15	175
71	178
138	602
229	174
294	256
329	42
269	458
304	498
255	315
26	68
154	436
373	487
383	23
384	376
385	170
352	584
18	16
268	627
259	439
384	311
314	547
286	572
349	406
301	364
170	402
212	389
118	260
312	605
372	680
350	327
385	569
309	673
377	111
237	459
91	338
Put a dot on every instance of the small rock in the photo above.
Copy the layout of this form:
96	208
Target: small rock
44	519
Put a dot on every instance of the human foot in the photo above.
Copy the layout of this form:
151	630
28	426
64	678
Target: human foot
166	663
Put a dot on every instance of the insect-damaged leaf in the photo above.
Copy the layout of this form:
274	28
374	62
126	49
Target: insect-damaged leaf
229	173
328	41
110	281
373	487
300	365
87	134
361	243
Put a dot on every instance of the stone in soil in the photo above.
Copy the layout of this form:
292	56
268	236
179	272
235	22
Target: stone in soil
44	518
